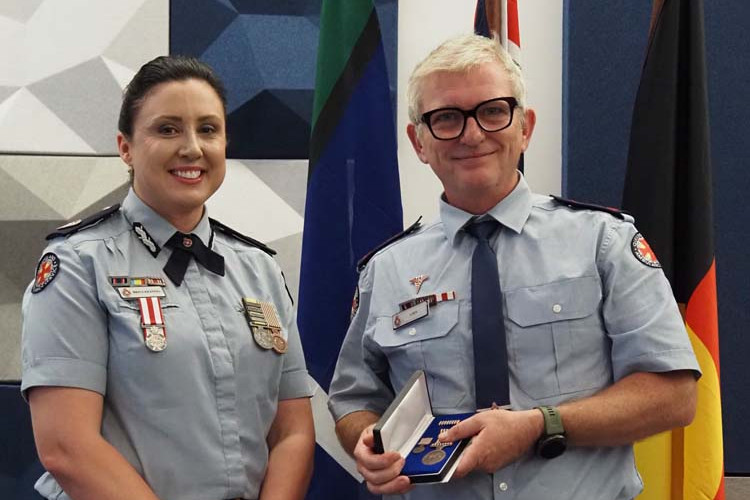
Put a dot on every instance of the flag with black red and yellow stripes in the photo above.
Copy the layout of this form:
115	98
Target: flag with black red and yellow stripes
668	189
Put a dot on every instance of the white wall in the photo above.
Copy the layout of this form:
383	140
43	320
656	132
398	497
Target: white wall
422	25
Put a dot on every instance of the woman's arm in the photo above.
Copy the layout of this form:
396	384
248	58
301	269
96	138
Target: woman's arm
291	442
67	431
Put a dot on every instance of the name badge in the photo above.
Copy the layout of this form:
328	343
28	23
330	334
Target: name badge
410	315
140	292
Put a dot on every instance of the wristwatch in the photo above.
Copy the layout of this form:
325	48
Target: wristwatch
553	442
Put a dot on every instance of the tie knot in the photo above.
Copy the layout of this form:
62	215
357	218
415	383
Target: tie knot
183	241
186	247
482	230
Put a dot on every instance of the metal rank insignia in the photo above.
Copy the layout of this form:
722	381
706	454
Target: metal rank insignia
417	281
265	325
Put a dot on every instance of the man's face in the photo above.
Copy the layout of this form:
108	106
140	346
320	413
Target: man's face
477	169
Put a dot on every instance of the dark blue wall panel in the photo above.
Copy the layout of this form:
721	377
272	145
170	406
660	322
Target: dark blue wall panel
265	52
19	465
604	52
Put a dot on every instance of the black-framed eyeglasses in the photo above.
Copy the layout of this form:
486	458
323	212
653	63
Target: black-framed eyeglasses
491	115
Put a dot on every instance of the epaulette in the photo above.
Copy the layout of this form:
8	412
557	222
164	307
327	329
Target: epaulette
364	260
218	226
81	224
620	214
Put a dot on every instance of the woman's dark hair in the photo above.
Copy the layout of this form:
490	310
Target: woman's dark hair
160	70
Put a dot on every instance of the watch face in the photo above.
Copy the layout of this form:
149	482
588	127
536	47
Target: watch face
552	446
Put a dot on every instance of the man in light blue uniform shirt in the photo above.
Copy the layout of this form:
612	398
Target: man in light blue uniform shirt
593	333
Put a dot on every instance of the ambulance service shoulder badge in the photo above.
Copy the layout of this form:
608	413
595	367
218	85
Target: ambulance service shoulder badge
46	271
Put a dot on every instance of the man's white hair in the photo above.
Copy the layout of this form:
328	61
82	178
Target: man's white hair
460	55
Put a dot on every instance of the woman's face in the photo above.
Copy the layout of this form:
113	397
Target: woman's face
177	150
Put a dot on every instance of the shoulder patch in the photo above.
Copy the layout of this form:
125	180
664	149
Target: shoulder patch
46	271
642	251
589	206
364	260
81	224
218	226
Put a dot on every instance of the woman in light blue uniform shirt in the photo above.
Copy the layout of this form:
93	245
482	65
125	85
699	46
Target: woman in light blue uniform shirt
161	357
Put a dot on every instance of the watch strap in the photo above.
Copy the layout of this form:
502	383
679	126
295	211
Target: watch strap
552	420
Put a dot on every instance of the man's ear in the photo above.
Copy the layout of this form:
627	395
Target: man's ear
411	131
528	126
123	147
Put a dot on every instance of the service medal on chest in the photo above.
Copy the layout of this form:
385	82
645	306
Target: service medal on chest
263	337
156	338
265	325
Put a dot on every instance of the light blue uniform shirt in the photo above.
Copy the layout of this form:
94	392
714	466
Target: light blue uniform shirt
581	312
192	419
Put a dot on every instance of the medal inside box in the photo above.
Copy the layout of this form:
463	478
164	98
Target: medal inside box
410	428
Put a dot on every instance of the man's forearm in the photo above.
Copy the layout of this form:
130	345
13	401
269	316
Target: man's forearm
639	405
350	427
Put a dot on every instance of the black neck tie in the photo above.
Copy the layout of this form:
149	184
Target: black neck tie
185	246
488	329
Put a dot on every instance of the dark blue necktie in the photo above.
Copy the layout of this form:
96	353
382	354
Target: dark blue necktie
490	357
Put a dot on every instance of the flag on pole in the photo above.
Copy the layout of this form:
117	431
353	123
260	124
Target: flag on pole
500	17
353	201
668	190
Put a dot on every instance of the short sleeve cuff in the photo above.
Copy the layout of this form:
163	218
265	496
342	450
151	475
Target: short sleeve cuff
295	384
340	408
658	362
64	372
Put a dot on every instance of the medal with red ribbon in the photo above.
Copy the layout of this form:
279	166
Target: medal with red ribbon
152	322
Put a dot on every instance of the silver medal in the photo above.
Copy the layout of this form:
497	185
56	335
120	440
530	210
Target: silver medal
156	338
263	337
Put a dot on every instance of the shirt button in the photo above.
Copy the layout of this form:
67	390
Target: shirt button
503	486
413	331
556	308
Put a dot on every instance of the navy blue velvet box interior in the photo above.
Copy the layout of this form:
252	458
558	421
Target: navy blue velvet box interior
415	466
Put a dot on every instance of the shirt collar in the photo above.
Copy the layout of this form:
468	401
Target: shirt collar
512	211
160	230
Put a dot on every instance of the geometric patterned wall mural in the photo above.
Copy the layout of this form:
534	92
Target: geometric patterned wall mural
265	52
62	70
63	66
37	194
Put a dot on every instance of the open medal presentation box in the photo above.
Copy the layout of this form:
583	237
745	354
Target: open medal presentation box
410	428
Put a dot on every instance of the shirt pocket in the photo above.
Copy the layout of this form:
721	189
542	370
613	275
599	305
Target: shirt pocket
557	343
431	344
